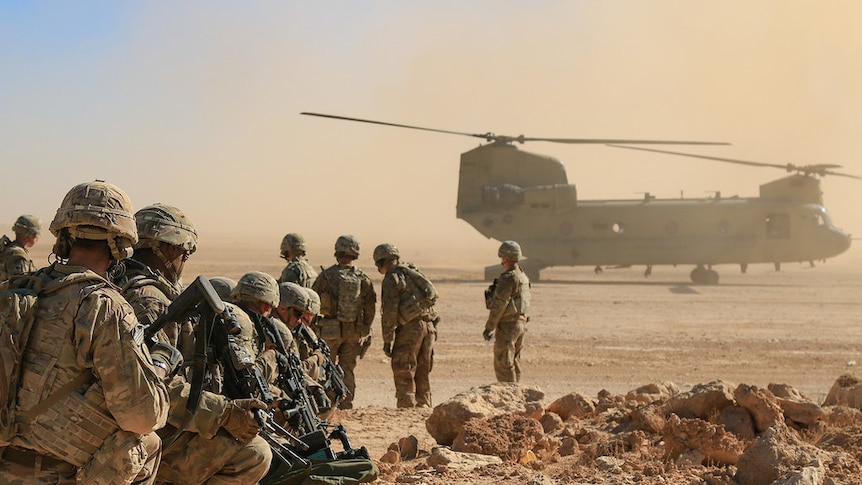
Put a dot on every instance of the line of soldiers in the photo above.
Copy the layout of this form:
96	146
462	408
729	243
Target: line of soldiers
112	390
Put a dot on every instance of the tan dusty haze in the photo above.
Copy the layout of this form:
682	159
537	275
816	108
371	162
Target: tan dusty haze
197	105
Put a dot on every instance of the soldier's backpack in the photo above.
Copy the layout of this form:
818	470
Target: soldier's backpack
18	300
17	312
4	244
349	305
424	295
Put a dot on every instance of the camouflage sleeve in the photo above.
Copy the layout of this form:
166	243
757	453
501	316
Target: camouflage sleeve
107	330
149	303
390	297
506	285
369	303
18	263
207	416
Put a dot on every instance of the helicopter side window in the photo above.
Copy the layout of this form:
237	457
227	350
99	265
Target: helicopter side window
503	195
778	226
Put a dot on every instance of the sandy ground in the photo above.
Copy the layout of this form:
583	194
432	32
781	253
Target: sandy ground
618	331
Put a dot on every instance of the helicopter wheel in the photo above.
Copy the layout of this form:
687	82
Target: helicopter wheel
598	270
703	276
648	271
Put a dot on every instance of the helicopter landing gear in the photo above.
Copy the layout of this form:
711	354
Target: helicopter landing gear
743	267
777	266
704	276
648	271
598	270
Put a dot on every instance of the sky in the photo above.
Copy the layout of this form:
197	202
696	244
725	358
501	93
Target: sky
196	104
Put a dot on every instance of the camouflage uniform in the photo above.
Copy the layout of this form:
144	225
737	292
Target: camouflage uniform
15	260
203	452
345	329
298	269
101	431
15	257
508	303
414	335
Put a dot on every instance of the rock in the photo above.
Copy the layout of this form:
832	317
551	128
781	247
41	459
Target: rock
647	418
447	419
610	464
409	447
809	475
391	456
776	452
762	405
737	420
572	404
551	422
442	459
703	401
798	409
508	436
661	391
568	446
846	391
683	435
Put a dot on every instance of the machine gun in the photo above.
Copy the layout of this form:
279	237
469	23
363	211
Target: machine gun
334	375
218	325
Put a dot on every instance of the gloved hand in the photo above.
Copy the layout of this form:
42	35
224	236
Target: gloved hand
488	334
239	420
323	402
166	357
387	349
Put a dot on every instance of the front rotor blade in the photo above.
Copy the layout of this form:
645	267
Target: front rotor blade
484	136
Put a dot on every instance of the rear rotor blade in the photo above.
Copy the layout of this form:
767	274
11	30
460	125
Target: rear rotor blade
485	136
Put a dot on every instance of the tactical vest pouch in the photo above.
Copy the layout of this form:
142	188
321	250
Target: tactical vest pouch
330	329
521	301
409	309
421	296
120	459
489	294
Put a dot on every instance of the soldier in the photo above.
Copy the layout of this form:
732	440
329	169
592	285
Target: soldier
347	303
15	255
409	322
90	395
219	443
298	270
508	300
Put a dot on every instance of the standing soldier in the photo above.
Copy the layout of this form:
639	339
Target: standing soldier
90	397
508	300
15	255
347	303
219	444
409	322
298	270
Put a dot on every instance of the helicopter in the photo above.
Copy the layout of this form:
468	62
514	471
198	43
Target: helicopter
507	193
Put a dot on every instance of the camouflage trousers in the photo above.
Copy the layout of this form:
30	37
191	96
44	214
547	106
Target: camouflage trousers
192	459
135	464
345	350
508	342
412	360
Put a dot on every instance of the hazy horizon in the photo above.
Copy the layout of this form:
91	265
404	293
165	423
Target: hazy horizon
196	104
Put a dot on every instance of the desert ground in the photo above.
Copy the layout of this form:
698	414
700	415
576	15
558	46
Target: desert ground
616	331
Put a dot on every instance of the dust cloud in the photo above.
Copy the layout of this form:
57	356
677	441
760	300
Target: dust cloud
197	105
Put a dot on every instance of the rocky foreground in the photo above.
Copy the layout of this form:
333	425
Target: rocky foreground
716	434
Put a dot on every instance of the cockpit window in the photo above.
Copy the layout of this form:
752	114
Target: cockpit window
778	226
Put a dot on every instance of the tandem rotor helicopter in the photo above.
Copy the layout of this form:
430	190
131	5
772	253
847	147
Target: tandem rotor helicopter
508	193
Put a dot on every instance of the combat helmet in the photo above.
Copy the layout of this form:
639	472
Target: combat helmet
348	245
293	296
162	223
223	286
313	301
27	225
510	250
384	252
292	242
257	285
95	210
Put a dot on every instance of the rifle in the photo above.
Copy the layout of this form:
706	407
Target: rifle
334	375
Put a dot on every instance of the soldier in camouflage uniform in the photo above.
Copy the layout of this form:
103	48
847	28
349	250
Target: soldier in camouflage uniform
219	444
348	304
15	255
90	396
409	323
298	269
508	300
